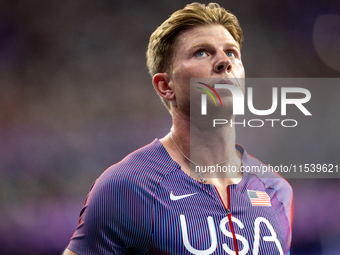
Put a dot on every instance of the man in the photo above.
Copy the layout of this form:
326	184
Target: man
150	202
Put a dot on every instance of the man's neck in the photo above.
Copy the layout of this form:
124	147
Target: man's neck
193	146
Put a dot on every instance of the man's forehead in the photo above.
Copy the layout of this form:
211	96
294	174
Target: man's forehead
203	35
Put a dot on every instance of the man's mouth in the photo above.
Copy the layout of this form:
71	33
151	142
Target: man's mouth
224	82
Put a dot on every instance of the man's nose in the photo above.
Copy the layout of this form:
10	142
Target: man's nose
223	63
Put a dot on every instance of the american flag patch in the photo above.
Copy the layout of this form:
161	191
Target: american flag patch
259	198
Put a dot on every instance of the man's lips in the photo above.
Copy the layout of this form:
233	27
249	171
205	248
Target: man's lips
224	82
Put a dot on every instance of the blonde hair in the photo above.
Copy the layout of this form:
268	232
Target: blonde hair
162	42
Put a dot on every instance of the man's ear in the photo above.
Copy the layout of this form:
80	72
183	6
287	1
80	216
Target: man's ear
161	82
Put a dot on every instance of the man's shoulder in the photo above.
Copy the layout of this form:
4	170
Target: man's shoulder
270	179
254	166
148	164
266	173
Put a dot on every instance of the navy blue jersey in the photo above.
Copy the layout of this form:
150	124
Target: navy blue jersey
146	204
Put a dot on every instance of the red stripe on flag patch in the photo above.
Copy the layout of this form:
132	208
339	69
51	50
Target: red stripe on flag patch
259	198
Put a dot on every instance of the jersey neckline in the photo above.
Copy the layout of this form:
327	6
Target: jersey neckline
240	148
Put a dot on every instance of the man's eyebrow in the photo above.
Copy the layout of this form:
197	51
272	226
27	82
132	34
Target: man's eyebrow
205	45
200	45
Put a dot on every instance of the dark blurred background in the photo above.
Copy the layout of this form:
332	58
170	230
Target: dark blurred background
76	97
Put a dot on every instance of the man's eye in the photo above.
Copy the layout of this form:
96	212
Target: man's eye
200	53
230	54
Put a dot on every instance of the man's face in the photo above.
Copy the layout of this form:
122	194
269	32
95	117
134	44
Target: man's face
207	51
